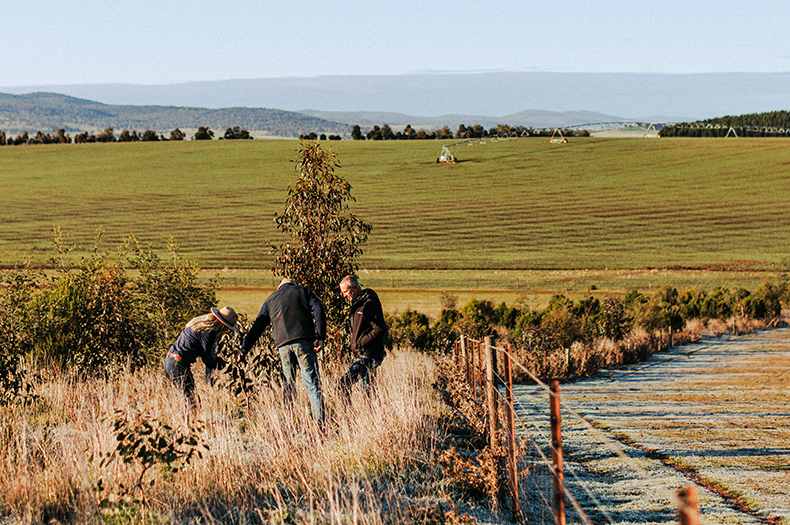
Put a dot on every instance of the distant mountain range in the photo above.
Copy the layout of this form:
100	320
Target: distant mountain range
427	101
51	111
634	96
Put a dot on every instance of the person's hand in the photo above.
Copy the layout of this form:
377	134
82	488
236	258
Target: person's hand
319	345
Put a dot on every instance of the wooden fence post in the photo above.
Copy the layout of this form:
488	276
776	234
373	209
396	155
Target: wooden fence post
556	454
493	408
479	368
475	364
511	437
688	509
464	357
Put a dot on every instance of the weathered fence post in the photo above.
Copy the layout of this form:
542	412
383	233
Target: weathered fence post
493	408
688	509
480	364
556	454
511	437
464	356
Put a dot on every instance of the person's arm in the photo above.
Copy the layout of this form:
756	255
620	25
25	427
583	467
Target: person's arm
209	341
318	316
260	324
372	313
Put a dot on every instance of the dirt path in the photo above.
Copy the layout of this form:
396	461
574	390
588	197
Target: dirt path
716	414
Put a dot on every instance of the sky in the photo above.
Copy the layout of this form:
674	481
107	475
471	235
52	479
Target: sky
155	42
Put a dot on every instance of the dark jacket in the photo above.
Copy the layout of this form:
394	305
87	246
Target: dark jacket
295	313
368	327
192	344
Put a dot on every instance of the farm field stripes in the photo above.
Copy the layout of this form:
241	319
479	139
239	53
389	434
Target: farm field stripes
718	410
521	203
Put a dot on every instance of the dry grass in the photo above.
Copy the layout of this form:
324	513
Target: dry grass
582	360
262	465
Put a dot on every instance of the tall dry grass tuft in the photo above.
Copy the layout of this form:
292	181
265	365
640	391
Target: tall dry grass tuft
262	465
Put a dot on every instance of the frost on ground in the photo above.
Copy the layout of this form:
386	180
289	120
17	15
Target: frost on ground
715	414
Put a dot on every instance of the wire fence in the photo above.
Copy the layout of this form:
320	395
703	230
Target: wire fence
532	434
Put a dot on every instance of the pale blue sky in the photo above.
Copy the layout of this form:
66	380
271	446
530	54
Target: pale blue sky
155	42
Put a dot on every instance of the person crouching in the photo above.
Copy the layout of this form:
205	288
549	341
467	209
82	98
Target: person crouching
197	339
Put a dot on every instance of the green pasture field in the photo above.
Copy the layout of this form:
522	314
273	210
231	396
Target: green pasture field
594	203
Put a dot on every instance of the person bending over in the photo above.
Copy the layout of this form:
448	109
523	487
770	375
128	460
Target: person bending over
197	339
298	329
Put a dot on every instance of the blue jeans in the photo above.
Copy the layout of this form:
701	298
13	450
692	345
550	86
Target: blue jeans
181	376
363	369
302	355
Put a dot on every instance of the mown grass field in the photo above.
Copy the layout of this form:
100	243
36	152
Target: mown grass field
518	204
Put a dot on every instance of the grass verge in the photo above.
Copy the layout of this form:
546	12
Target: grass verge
262	466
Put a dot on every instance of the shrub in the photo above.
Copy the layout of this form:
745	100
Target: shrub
96	316
613	322
771	293
412	329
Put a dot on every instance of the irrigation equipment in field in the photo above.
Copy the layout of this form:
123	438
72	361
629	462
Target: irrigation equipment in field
558	139
448	151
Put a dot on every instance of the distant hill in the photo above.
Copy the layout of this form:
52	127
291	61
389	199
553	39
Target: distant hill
48	111
646	97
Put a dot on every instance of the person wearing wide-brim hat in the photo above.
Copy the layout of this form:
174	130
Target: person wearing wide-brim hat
197	339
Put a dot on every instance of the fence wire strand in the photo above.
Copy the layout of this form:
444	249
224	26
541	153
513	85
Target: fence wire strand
534	466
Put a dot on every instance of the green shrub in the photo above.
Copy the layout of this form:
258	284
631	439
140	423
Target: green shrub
771	292
614	321
412	329
96	316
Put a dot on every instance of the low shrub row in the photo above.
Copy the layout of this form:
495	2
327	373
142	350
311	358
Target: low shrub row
570	339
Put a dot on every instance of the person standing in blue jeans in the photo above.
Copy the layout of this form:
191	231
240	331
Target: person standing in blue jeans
198	339
298	328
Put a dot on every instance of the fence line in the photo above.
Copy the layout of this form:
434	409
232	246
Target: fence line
535	472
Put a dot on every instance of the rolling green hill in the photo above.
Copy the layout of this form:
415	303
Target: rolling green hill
521	203
49	111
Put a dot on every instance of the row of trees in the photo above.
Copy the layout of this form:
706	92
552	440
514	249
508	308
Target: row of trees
701	131
108	135
476	131
768	124
383	132
315	136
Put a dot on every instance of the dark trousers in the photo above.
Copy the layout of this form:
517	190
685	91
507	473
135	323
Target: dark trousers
363	369
181	376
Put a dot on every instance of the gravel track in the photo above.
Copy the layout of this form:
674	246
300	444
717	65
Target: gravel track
715	414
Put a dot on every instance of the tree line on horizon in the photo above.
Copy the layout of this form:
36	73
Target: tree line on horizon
476	131
108	135
768	124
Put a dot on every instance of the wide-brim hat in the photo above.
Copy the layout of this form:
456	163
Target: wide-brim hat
226	316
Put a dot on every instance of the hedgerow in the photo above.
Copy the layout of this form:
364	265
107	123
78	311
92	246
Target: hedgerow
569	339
